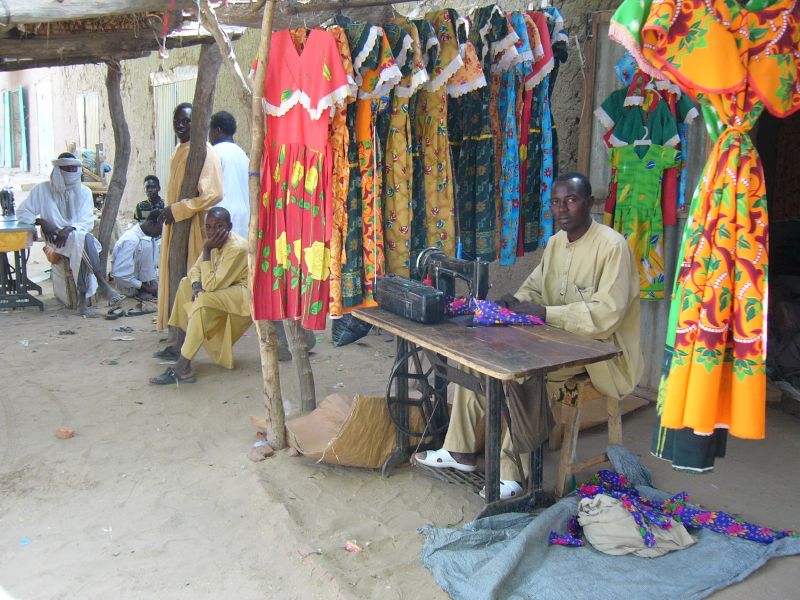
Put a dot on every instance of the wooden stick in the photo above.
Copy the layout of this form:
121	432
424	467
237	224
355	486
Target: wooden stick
122	155
295	9
49	11
267	342
209	19
202	107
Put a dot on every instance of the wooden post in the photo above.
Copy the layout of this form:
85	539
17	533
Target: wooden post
202	107
267	341
294	333
122	155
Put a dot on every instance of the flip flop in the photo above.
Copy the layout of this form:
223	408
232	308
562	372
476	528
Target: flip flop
508	489
137	312
166	354
116	299
114	313
169	376
442	459
88	314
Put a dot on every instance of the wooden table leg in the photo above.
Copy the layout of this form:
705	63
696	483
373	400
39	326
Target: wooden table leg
494	398
401	451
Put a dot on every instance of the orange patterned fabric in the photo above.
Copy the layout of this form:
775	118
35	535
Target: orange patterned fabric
736	62
340	139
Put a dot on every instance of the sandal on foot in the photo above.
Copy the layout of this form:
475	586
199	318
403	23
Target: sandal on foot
508	489
442	459
170	376
114	313
116	299
167	354
136	312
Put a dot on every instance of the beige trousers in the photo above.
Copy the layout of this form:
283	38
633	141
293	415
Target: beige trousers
209	320
467	423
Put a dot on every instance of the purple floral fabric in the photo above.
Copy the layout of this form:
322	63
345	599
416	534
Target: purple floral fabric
488	313
647	512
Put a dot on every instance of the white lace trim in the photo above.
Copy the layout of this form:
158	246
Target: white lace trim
445	75
507	42
604	118
386	81
484	31
616	142
417	79
352	87
432	41
663	84
527	55
538	52
537	78
404	51
505	62
673	141
691	115
456	90
358	61
633	101
335	98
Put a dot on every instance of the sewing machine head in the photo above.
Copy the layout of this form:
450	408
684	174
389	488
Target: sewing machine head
444	270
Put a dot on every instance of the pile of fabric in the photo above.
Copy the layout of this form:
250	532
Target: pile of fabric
384	139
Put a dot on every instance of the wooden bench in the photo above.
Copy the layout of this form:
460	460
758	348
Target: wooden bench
573	396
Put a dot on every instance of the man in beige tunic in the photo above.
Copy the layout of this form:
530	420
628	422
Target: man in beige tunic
209	192
587	283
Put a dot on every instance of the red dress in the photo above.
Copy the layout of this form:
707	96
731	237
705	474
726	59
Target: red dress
305	79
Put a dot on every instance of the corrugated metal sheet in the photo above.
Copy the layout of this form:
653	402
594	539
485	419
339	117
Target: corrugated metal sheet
654	315
166	96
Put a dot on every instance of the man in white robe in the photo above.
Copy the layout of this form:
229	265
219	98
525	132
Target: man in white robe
134	261
235	164
62	208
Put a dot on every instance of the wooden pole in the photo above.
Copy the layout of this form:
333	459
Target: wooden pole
295	335
202	107
267	341
122	155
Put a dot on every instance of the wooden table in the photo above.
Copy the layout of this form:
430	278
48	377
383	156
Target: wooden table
15	286
499	354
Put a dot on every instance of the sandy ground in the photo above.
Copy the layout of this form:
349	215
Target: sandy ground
154	497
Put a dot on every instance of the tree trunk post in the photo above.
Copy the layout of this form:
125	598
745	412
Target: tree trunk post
267	342
122	155
202	107
296	336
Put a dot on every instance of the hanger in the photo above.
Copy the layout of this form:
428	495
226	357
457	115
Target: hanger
645	140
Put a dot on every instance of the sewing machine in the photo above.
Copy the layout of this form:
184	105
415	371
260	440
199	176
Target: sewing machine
424	301
442	271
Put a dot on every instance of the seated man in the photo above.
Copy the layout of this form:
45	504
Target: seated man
62	207
212	304
134	261
154	201
586	283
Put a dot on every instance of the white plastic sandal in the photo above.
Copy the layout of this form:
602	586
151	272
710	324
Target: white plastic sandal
442	459
508	489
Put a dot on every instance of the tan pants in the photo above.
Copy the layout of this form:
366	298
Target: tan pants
209	320
469	411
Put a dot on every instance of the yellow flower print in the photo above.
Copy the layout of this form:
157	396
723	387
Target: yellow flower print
282	251
296	246
297	174
312	177
317	259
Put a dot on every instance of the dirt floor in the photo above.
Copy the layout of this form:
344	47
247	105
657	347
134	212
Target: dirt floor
154	496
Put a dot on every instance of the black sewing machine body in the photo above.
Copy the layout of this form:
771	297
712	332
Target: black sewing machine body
444	271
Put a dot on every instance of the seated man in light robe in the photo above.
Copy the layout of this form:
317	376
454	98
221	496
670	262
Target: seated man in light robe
587	283
62	207
134	261
212	305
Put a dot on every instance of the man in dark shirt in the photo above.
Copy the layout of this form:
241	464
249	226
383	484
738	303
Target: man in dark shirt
152	187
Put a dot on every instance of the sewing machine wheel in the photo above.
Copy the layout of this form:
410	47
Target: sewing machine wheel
423	394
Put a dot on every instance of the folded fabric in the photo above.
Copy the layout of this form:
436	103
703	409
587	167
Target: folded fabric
488	313
611	529
647	513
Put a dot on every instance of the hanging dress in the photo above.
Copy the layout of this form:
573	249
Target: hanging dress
340	142
305	79
735	62
398	164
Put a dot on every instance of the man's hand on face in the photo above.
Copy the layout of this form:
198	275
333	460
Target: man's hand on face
215	240
197	289
167	216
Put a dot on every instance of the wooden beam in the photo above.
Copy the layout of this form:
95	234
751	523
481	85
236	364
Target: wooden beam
267	340
70	46
22	64
122	155
16	12
286	15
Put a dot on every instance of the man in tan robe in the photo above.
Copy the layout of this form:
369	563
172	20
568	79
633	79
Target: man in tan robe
212	305
586	283
209	192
